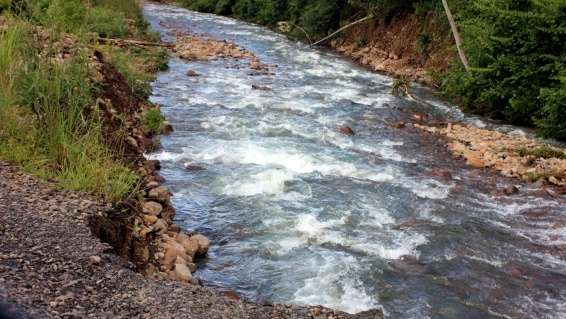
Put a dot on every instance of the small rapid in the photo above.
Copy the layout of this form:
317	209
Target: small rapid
299	213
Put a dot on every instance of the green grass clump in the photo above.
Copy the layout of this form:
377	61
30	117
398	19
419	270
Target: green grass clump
107	23
153	121
542	152
48	127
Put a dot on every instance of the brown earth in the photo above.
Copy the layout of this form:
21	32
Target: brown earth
392	47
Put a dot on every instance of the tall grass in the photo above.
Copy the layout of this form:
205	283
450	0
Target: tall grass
48	125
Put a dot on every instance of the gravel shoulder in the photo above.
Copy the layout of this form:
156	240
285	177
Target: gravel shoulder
51	266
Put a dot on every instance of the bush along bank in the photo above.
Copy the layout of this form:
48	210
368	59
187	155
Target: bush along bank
76	111
516	48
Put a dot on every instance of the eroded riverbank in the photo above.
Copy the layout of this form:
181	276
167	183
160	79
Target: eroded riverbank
300	213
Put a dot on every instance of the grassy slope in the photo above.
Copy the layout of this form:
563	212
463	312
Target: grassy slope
50	125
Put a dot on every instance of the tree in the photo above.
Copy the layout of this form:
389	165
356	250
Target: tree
456	34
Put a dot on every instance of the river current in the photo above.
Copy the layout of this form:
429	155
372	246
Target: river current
299	213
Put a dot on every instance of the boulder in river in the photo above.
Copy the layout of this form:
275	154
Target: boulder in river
510	190
192	73
203	244
346	130
261	88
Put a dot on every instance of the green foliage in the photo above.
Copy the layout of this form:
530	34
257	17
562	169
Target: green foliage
137	65
66	15
518	50
106	22
129	8
542	152
46	126
401	85
153	121
424	41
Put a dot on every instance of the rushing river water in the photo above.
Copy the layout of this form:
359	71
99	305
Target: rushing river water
299	213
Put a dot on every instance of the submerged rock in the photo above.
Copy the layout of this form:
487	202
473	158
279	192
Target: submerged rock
346	130
192	73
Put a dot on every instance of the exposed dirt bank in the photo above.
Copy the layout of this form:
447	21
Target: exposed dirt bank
394	47
51	266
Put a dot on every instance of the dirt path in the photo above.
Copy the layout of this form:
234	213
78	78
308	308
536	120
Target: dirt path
51	266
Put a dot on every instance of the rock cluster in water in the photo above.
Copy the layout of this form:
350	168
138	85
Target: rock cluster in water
193	47
512	155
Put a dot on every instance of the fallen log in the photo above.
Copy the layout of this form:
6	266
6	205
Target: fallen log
371	16
122	42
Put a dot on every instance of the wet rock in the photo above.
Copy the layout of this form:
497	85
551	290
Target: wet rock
192	266
190	244
255	65
203	244
152	208
419	117
259	87
183	273
346	130
167	128
399	125
513	272
442	173
160	193
192	73
153	165
510	190
194	167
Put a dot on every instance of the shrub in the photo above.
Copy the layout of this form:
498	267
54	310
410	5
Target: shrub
153	121
541	152
106	22
67	15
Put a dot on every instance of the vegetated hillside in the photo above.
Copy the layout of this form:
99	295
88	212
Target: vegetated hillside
63	116
517	48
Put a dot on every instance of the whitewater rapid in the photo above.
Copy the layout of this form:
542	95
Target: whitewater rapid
299	213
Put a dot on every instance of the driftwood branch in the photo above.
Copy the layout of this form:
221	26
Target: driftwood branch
122	42
371	16
304	31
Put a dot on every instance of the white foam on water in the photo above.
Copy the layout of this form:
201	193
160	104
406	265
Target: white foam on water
398	243
267	182
428	188
336	286
401	244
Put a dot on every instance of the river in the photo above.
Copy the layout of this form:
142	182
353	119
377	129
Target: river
299	213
